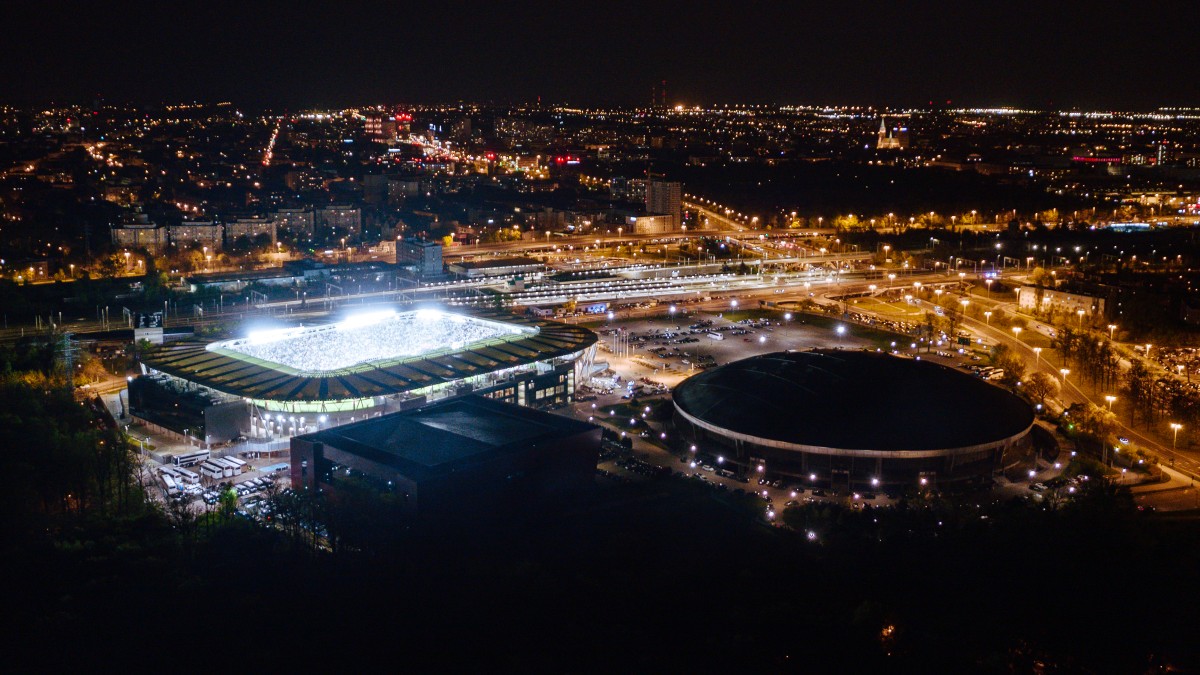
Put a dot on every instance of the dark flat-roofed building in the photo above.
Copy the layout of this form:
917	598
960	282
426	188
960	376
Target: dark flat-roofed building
473	269
454	458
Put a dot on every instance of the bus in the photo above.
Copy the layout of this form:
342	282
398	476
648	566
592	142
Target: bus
232	468
190	458
211	470
716	336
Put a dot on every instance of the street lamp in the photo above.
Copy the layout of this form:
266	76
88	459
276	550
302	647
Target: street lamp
1037	355
1148	346
988	318
988	283
1175	427
1111	399
1080	313
1065	372
1111	327
1017	332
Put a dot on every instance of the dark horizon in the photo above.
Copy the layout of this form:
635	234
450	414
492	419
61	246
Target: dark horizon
1021	54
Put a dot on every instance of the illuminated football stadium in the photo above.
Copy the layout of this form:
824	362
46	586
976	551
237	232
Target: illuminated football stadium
272	384
366	341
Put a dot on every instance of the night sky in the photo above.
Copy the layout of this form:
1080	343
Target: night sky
1129	55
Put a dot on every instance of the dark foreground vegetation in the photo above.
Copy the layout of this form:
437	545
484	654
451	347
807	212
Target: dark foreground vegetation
659	576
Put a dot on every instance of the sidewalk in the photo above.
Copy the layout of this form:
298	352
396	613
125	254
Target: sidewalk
1178	481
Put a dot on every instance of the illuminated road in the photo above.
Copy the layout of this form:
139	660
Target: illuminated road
1185	462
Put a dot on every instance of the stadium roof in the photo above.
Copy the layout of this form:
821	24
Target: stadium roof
853	400
245	376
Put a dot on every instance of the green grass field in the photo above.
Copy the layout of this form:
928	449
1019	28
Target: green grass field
899	310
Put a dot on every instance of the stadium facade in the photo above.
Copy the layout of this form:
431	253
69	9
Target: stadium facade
851	419
271	385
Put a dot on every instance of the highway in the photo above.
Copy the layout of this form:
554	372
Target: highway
1185	462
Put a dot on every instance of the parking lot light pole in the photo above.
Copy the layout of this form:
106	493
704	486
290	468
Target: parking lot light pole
1175	428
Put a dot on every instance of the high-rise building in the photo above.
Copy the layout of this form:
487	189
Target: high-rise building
198	233
298	222
381	126
341	218
424	258
665	198
253	230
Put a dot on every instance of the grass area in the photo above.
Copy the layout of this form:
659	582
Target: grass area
1088	466
899	310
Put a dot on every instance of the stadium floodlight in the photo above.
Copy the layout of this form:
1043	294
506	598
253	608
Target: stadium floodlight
369	318
260	337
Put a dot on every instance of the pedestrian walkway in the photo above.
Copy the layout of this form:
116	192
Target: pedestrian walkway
1177	481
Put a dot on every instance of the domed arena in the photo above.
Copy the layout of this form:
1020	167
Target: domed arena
851	419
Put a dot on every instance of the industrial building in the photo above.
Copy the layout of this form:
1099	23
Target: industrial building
460	458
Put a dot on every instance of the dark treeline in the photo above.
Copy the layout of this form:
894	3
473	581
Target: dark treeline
661	576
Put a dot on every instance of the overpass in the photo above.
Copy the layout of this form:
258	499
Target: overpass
712	217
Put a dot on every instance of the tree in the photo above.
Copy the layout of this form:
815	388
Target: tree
1094	420
111	265
1039	386
91	370
1013	366
228	503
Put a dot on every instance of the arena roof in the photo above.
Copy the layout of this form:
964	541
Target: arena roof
240	374
853	400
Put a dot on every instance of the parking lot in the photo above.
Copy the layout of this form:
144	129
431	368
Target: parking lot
658	353
674	347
